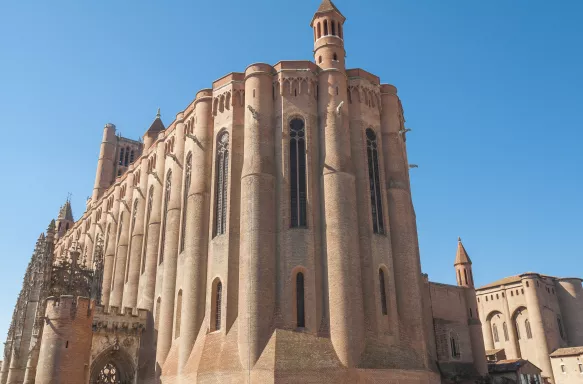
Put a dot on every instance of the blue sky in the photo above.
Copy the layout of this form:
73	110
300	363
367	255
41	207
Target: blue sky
491	89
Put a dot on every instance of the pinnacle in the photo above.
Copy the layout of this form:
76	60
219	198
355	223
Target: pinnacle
66	212
461	256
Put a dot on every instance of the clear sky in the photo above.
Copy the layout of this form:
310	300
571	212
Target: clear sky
492	90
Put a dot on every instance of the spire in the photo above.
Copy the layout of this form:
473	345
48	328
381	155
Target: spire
325	7
66	213
461	256
157	125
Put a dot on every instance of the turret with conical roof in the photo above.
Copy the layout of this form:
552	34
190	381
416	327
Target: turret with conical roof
154	130
463	267
328	25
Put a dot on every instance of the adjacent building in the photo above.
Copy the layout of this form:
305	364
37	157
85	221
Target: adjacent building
532	316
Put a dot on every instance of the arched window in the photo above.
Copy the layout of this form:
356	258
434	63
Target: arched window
325	27
495	332
454	346
560	325
340	30
222	177
157	317
319	59
335	57
528	330
178	314
165	211
187	175
466	276
127	158
131	156
132	229
459	275
297	160
301	315
517	327
333	25
374	182
505	328
319	31
147	226
217	304
121	156
383	291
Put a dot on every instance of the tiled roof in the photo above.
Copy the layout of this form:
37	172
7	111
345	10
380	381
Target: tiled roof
461	256
504	281
567	351
157	125
327	6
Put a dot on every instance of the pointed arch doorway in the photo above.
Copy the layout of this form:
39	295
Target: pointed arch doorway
112	366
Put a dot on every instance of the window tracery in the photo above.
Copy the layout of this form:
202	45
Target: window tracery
222	164
374	182
297	154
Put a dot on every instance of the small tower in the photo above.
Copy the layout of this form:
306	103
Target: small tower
152	133
328	25
64	220
463	267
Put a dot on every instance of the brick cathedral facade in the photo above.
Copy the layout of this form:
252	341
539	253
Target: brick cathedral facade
266	235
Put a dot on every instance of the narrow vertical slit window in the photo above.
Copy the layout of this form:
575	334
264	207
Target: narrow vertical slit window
166	201
121	156
383	291
147	227
132	228
528	330
374	182
178	316
325	27
505	328
187	176
466	276
218	300
495	332
300	308
222	177
297	158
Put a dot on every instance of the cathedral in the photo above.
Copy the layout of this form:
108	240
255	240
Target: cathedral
266	235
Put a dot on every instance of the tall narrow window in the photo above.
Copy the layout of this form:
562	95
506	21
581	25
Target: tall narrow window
157	317
560	325
178	315
166	201
455	348
120	229
147	227
333	24
131	156
466	276
218	300
459	275
132	229
301	315
222	177
528	330
495	332
517	329
187	174
297	159
121	156
319	31
127	158
383	291
340	30
505	328
325	27
374	182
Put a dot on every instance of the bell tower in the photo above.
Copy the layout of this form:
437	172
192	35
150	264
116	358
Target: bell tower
328	25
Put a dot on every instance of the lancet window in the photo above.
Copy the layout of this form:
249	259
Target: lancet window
218	302
187	176
166	201
222	176
132	228
300	305
528	330
147	226
495	332
374	182
297	157
505	328
383	291
455	347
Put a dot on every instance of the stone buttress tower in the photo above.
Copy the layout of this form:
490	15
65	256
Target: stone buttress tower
465	278
64	220
339	189
66	345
